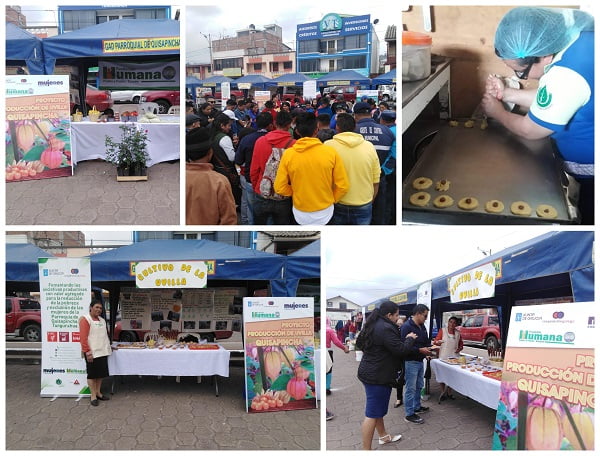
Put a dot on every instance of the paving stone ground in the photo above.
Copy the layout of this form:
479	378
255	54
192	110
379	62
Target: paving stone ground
148	413
92	196
458	425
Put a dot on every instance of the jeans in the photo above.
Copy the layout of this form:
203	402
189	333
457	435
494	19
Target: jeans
379	205
247	209
279	211
413	378
351	215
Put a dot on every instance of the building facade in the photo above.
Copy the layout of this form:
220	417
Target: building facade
337	42
340	308
77	17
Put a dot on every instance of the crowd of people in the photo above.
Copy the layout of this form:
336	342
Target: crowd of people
287	162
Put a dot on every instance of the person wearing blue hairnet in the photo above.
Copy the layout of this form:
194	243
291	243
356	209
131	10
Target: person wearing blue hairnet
555	46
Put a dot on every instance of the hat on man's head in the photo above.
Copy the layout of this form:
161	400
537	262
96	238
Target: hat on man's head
229	113
190	119
364	98
197	143
362	108
388	115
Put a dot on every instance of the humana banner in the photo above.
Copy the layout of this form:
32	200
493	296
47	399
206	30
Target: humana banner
65	290
117	74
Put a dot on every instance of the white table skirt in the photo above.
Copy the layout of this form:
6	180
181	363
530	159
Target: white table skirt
168	362
87	140
482	389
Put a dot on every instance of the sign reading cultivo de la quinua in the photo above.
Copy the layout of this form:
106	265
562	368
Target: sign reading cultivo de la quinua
279	347
476	283
65	289
547	398
170	274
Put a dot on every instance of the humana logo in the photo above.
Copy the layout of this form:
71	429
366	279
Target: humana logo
537	336
114	73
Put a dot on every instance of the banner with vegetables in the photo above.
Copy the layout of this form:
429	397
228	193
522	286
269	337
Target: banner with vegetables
279	347
38	138
547	397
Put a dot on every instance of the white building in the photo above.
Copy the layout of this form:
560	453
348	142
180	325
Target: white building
340	308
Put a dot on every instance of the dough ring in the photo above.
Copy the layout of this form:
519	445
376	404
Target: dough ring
546	211
453	123
468	203
420	199
442	185
520	208
443	201
469	124
494	206
422	183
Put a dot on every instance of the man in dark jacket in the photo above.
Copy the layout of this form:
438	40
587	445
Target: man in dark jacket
413	363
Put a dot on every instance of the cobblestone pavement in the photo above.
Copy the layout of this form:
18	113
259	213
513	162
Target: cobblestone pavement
462	424
92	196
149	413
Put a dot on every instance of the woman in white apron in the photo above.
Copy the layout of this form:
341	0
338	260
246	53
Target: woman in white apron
451	345
95	347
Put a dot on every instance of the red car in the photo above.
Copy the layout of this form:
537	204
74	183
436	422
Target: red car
164	98
481	329
100	99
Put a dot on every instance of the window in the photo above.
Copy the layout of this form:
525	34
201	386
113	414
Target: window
185	235
355	61
478	321
493	320
30	304
329	304
343	306
274	66
9	306
309	65
75	20
257	67
305	47
287	65
227	63
355	42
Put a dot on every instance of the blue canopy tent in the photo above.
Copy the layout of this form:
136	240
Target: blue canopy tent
22	273
385	79
256	80
85	46
191	83
215	82
302	264
554	265
342	78
289	80
24	48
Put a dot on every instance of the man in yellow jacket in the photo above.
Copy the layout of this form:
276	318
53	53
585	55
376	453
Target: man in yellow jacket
313	174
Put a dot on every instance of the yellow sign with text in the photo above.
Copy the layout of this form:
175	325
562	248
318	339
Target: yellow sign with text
167	43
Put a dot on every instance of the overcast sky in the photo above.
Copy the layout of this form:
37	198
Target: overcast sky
228	17
368	264
108	237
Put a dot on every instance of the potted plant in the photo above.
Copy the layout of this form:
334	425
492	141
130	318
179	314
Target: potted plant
130	155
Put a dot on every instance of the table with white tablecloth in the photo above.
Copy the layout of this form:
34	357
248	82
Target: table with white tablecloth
170	362
87	140
482	389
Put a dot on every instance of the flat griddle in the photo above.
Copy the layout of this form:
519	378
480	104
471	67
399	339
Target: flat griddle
490	164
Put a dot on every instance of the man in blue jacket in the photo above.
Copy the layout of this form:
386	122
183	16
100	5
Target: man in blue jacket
413	363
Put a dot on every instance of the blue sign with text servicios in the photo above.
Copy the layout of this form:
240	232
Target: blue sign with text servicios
333	25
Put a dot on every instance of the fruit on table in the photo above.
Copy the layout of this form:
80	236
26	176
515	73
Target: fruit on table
296	387
272	364
52	158
585	425
544	429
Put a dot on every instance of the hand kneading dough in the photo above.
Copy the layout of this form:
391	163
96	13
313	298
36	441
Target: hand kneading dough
468	203
420	199
422	183
546	211
443	201
520	208
494	206
443	185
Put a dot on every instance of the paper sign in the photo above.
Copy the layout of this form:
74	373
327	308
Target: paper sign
171	274
476	283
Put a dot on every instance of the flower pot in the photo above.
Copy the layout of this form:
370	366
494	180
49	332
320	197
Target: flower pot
122	170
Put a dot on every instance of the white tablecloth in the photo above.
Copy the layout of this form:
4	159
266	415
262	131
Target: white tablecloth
168	362
484	390
87	140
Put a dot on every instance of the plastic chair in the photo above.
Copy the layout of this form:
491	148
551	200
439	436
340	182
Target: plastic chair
173	110
149	107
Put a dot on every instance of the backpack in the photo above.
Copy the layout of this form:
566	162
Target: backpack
268	178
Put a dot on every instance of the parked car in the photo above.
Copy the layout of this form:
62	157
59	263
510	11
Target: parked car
23	318
100	99
164	98
387	93
481	329
208	93
349	92
126	96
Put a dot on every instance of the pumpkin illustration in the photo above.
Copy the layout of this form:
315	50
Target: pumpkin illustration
296	387
52	158
544	429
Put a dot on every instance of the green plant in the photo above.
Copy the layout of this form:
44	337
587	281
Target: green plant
131	150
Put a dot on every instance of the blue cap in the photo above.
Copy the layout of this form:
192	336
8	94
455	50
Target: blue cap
362	108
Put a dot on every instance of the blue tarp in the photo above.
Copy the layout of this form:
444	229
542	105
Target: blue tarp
290	79
341	78
215	81
385	79
22	263
257	80
88	42
303	264
24	48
